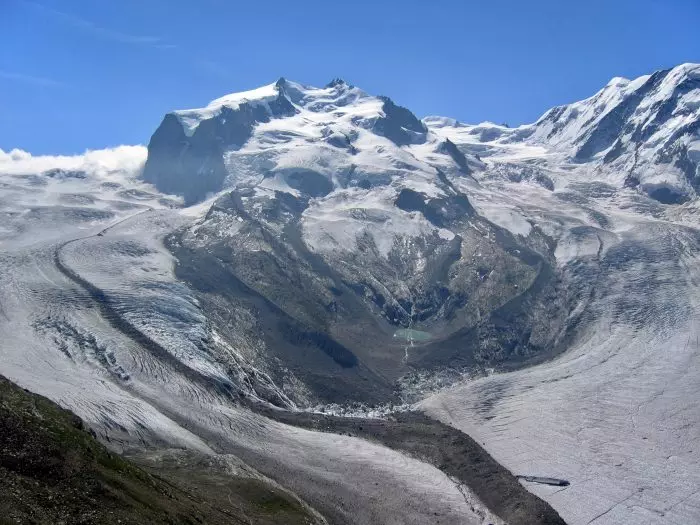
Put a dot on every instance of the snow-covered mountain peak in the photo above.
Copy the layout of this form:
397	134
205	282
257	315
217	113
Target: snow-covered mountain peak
687	69
617	107
618	82
642	133
284	93
336	94
337	81
638	133
564	126
191	118
264	93
288	127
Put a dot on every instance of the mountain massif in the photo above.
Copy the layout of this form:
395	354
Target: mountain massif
334	294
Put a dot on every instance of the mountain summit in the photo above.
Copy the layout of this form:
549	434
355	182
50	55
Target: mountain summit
284	125
276	132
640	133
368	227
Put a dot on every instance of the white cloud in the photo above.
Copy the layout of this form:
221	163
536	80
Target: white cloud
125	160
14	155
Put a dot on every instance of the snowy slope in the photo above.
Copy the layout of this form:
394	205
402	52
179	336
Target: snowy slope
616	414
642	133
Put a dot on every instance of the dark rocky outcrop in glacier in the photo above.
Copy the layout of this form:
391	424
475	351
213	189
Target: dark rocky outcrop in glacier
399	125
450	148
441	212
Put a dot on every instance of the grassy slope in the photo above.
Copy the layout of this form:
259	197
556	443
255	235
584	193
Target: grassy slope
53	471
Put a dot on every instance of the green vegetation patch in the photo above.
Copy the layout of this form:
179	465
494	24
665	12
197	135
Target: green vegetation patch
53	471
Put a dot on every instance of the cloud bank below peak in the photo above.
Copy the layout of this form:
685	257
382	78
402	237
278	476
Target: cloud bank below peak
125	160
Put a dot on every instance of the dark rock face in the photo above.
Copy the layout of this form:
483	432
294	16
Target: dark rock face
340	141
193	166
336	82
439	211
453	151
676	153
410	200
187	166
668	196
330	319
292	317
399	125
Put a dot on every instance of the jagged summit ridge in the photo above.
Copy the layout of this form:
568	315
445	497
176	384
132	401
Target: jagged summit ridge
641	133
284	132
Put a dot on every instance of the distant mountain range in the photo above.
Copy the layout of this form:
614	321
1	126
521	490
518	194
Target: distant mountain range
641	133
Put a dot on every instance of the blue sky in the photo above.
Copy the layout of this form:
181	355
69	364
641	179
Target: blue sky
78	74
